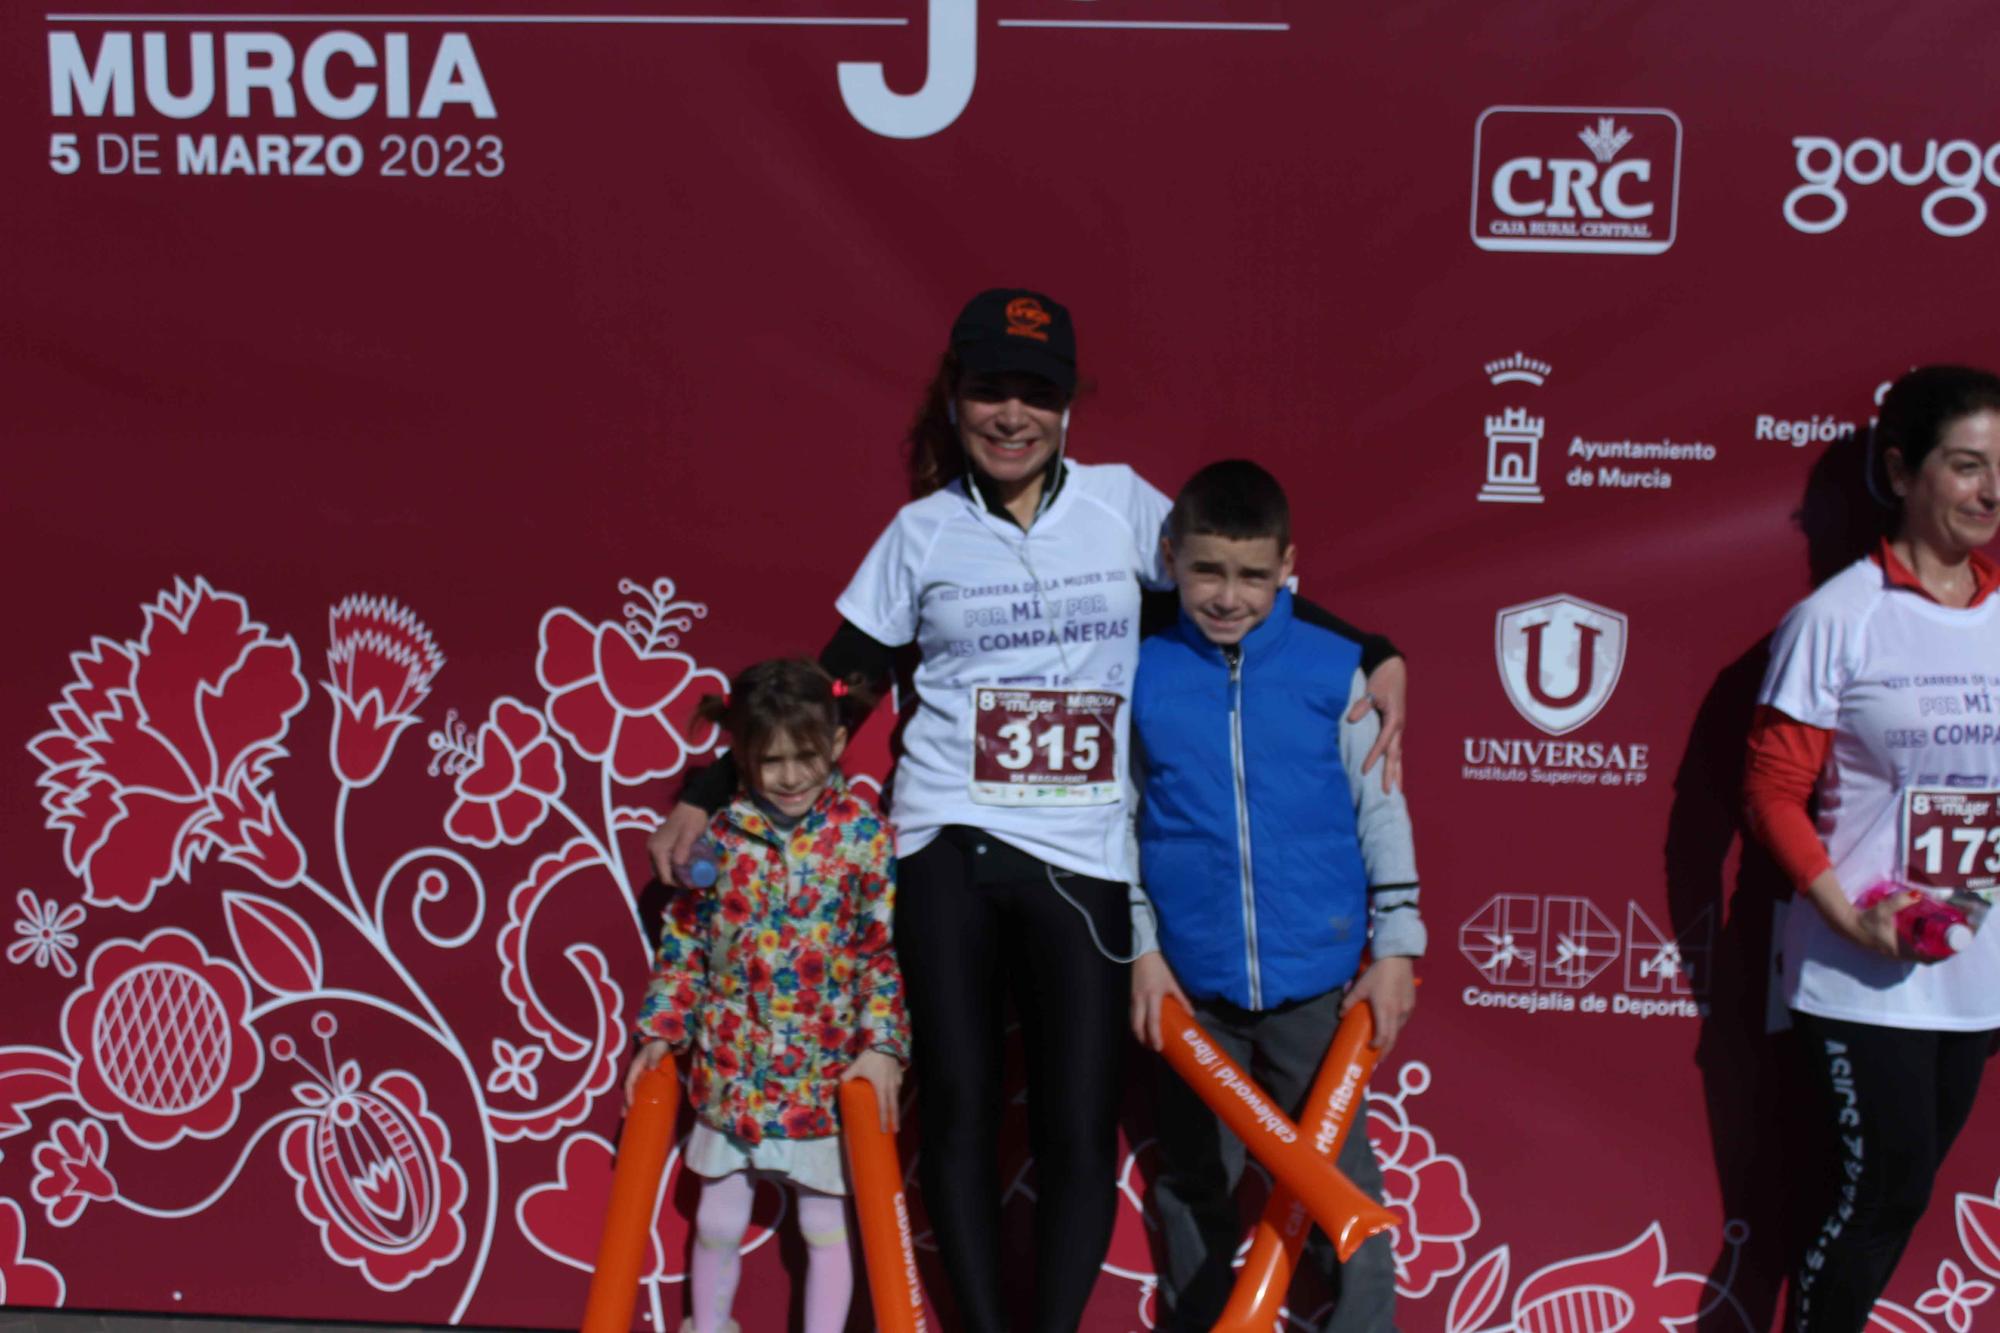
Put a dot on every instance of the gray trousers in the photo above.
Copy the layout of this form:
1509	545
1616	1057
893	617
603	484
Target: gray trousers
1201	1162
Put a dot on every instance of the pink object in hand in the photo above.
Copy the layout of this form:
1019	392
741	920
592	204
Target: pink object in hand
1933	929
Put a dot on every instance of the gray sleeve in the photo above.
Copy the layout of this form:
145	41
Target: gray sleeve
1388	848
1145	925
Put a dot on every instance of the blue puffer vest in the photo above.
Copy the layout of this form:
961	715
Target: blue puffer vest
1246	838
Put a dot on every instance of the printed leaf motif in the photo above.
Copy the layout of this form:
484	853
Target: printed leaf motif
29	1076
1479	1293
279	949
1979	1231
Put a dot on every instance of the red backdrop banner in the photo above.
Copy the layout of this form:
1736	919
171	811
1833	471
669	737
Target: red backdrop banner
415	413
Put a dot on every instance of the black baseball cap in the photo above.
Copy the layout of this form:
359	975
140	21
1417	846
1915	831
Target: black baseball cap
1013	329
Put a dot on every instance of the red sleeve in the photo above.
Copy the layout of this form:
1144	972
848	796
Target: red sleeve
1786	757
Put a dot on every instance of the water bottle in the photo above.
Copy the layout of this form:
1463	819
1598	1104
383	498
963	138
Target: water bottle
703	866
1933	928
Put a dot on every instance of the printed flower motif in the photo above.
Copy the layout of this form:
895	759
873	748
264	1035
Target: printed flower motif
69	1170
1427	1191
162	745
373	1172
507	782
1626	1289
160	1039
47	931
1955	1296
630	706
514	1069
381	661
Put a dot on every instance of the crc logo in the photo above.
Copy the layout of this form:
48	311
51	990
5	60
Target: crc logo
1592	180
1559	659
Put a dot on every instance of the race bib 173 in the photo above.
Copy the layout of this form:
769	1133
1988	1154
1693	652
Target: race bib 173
1951	839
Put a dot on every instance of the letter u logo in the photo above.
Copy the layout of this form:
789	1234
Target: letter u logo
1522	633
1586	662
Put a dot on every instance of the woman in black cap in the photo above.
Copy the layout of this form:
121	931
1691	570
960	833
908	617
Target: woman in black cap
1018	574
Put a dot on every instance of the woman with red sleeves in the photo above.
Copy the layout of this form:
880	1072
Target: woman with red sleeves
1882	700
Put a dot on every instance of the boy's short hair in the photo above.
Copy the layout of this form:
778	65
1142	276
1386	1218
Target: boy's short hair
1236	499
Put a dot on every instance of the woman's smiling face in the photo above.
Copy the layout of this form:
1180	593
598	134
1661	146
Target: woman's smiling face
1010	425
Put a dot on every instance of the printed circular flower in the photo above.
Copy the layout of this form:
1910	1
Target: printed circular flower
160	1040
1427	1191
617	702
47	931
373	1171
162	746
514	1069
69	1170
1955	1296
506	795
380	661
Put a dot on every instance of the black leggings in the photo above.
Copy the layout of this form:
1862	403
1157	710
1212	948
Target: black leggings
975	918
1896	1098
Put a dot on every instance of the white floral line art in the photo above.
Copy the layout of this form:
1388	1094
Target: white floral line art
164	755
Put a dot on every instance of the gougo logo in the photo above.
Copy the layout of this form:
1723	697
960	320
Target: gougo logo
1958	166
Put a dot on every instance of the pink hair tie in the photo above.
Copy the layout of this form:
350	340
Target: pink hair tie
840	689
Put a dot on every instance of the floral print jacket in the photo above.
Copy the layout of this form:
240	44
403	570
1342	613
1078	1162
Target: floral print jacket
782	973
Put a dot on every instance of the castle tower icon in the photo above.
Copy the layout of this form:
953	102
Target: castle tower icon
1512	441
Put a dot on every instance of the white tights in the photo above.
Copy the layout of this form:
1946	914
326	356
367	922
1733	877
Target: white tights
720	1221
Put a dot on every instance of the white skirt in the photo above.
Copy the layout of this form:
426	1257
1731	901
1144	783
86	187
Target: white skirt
814	1164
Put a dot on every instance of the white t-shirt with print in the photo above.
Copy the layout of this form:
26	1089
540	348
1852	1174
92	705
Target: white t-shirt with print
1055	608
1911	691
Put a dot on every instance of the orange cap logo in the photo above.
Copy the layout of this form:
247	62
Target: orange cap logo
1027	319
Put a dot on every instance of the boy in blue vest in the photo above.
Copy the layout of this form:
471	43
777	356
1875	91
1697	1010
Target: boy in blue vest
1270	864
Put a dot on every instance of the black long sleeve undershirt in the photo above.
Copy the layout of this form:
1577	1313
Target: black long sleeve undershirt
852	654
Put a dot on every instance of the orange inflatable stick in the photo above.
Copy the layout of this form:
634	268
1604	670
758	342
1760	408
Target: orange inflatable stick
893	1283
635	1191
1342	1211
1337	1100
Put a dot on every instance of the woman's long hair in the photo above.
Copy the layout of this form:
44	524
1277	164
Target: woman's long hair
936	458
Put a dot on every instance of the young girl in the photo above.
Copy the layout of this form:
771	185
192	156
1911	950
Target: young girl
781	978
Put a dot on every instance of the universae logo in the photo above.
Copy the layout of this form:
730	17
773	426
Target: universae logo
1559	659
1575	179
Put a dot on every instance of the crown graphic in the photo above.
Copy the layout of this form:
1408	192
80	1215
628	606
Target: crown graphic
1515	422
1605	140
1518	367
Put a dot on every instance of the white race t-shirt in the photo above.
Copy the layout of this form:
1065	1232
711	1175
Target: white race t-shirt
1911	691
1029	644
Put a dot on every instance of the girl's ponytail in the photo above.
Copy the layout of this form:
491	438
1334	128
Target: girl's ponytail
714	710
854	698
791	694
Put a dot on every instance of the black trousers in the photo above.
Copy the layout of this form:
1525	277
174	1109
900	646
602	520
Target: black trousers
1896	1098
976	919
1201	1163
